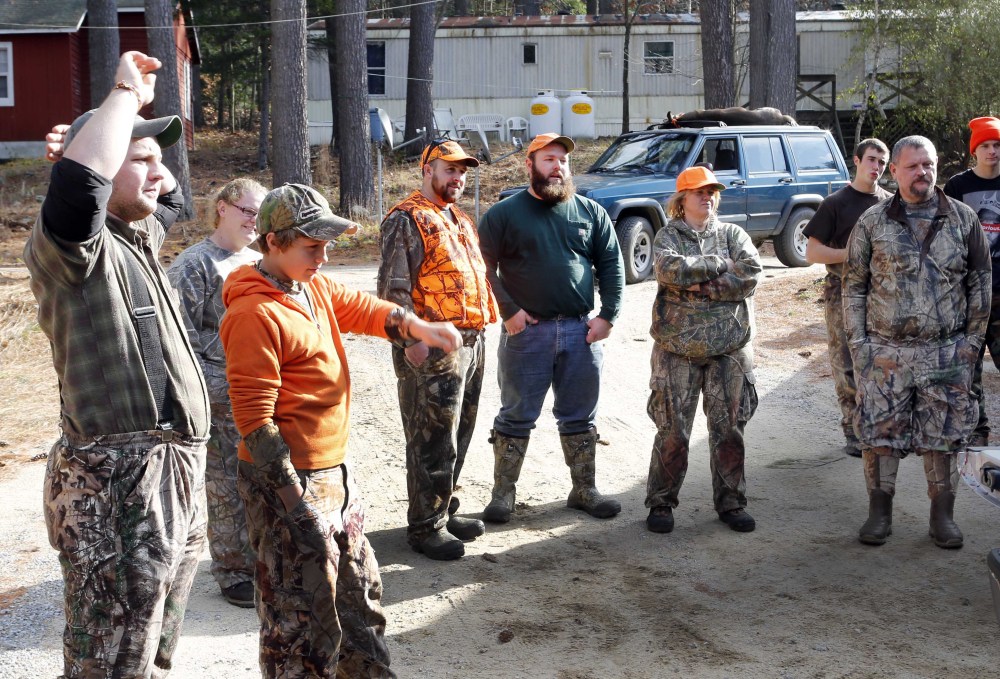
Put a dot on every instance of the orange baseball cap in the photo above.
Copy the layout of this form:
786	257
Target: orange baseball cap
543	140
448	150
698	177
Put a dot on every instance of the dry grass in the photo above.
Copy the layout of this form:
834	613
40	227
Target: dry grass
29	411
221	156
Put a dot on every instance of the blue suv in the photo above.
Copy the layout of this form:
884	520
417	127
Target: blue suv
775	177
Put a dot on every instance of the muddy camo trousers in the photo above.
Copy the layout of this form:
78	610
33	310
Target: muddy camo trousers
126	513
840	357
438	401
232	557
992	342
730	399
318	587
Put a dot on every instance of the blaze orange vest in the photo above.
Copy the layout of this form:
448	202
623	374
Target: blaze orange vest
451	285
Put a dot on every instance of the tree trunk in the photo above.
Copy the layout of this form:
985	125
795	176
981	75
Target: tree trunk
717	58
102	41
288	92
591	7
605	6
264	133
331	60
197	95
773	66
420	71
160	35
461	8
626	61
357	191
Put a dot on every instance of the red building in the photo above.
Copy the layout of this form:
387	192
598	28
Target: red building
44	66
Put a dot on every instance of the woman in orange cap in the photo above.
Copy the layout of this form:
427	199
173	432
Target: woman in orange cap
706	271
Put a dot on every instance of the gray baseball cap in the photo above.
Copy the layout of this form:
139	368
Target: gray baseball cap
167	130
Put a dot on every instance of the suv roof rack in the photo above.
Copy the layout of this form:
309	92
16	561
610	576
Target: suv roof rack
668	124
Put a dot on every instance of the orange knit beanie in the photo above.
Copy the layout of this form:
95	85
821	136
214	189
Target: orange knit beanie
983	129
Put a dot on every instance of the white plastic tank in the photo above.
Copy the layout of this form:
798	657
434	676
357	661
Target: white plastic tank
545	114
578	116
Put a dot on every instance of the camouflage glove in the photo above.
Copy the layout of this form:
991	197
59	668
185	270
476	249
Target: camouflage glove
271	456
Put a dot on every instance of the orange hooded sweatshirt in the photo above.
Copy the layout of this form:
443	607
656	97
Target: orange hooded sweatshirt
282	368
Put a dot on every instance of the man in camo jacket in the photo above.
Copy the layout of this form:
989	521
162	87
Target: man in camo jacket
916	303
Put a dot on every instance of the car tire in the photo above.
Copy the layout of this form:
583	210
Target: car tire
635	237
790	244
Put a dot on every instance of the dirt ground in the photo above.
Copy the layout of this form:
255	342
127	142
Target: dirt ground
556	594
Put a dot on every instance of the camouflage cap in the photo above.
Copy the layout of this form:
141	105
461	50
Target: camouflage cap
299	207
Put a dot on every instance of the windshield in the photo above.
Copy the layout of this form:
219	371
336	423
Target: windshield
646	153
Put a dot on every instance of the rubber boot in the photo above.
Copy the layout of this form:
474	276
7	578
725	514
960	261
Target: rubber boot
880	477
508	456
580	451
942	483
461	527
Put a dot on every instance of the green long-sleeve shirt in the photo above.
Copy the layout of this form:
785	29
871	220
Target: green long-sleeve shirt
543	258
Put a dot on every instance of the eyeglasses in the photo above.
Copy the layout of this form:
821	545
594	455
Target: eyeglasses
425	158
248	212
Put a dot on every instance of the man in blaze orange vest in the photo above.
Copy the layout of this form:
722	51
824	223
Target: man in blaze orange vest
431	264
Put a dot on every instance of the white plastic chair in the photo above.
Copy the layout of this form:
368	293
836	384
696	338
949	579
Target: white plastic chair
516	126
486	122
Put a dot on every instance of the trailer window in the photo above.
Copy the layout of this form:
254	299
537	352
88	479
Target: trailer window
658	57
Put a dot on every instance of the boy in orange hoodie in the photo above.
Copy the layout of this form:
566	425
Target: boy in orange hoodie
318	586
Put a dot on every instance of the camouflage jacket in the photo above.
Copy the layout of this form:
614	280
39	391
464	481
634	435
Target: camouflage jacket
197	275
717	318
904	292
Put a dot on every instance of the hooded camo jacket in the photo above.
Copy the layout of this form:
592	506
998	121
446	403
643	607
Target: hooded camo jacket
901	291
717	318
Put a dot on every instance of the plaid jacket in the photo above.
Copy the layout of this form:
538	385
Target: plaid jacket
84	309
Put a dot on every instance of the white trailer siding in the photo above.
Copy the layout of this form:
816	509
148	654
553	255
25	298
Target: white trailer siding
479	66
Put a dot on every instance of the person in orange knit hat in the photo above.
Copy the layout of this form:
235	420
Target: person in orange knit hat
318	589
979	188
431	264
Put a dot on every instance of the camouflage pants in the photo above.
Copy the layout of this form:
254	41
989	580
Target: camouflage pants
318	586
232	557
126	513
727	385
840	357
993	344
438	401
914	397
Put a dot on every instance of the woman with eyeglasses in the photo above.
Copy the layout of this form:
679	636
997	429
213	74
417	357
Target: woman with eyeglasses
198	275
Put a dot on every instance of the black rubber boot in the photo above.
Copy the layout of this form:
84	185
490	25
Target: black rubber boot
462	528
508	456
879	524
880	479
942	480
440	546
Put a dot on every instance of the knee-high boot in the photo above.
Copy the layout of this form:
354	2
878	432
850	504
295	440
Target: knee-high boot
941	470
508	456
580	451
880	477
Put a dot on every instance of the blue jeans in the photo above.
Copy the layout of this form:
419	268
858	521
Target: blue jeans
553	354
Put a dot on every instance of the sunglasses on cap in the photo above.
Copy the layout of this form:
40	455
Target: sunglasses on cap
435	143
